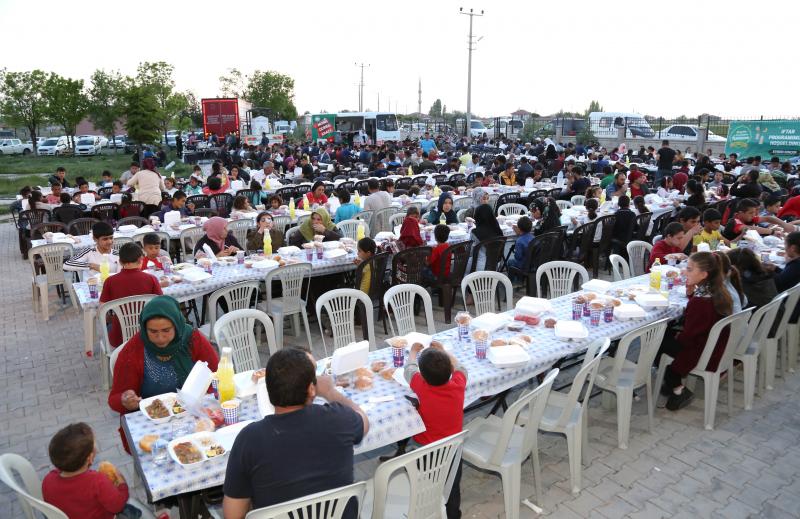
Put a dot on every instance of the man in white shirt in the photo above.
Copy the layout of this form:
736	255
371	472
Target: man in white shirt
127	175
377	199
90	258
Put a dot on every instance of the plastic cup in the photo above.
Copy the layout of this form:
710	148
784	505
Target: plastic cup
215	387
594	316
197	220
670	282
230	410
577	310
93	291
319	253
209	267
608	313
463	333
398	356
586	309
480	348
240	257
309	254
427	236
159	452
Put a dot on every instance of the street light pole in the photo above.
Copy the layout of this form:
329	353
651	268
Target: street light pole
361	87
470	46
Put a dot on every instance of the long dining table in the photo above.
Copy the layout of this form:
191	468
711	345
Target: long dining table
392	417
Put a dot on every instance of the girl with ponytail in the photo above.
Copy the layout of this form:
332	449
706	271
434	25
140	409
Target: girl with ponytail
709	301
733	282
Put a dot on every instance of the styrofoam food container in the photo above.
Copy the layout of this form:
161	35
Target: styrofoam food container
596	285
327	245
534	305
490	321
167	398
629	311
510	356
652	301
265	264
571	330
288	251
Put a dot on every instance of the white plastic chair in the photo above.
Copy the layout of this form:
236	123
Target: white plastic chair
117	243
289	233
749	349
395	220
483	286
423	485
512	209
560	277
349	228
237	330
164	237
281	222
291	303
788	349
493	200
462	203
461	215
380	220
619	267
568	414
189	238
52	256
563	204
500	445
637	258
329	504
774	340
711	379
622	377
239	229
237	296
127	311
29	489
399	302
340	304
364	216
577	200
112	359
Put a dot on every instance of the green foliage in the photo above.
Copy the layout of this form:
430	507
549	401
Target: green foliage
233	84
586	135
436	109
142	117
23	101
274	91
193	110
528	133
105	102
594	106
67	104
157	77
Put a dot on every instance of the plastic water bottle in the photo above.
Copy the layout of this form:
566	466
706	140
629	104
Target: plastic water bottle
360	232
267	243
442	220
291	209
105	268
225	385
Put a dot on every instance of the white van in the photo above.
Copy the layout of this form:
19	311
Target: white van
54	146
607	124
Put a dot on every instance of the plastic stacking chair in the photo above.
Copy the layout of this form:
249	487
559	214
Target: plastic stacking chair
349	228
568	414
561	277
563	204
621	377
789	349
340	304
750	347
29	489
329	504
126	310
188	239
52	256
483	286
399	302
512	209
577	200
291	303
711	379
395	220
619	267
164	237
500	445
770	346
239	229
237	297
638	255
237	330
422	491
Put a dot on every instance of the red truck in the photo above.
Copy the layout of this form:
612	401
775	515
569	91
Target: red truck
220	116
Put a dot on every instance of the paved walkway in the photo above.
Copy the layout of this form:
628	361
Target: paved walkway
748	467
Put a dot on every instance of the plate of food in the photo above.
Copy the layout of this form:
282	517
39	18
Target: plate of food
187	451
161	408
181	266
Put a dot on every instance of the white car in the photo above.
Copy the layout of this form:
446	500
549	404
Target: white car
87	146
477	128
54	146
117	142
14	147
687	132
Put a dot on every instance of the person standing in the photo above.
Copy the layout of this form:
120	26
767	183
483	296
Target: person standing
664	159
149	184
179	146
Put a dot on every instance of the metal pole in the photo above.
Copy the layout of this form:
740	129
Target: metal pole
468	124
361	87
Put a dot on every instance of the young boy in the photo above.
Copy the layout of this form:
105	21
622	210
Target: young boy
669	244
130	281
772	206
439	382
105	179
72	486
153	253
523	229
710	233
347	209
441	233
366	249
745	218
90	258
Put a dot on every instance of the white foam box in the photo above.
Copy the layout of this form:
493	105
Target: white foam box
350	357
510	356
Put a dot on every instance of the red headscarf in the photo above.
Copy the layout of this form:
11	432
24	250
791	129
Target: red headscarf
216	230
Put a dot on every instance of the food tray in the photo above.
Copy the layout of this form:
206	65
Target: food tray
288	251
596	285
510	356
652	301
490	322
334	253
534	305
571	330
167	398
265	264
629	311
198	440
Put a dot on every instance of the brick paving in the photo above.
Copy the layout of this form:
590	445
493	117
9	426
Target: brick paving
748	467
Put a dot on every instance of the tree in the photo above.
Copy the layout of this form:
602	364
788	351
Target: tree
594	106
158	78
23	101
67	103
436	109
142	120
233	84
274	91
193	110
105	101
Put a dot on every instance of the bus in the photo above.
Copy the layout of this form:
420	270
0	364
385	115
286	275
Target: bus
350	127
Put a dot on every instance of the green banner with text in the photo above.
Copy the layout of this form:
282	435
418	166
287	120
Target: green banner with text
764	138
322	126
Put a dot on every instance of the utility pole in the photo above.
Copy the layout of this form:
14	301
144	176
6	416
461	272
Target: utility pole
379	101
361	87
419	98
471	47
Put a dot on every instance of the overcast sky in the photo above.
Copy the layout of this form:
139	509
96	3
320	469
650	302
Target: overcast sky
732	58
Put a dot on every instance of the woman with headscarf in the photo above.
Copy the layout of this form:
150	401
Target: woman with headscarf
409	231
158	358
479	197
148	184
486	228
220	241
318	224
444	207
546	214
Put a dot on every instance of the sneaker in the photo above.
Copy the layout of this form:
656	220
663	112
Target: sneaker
676	402
666	391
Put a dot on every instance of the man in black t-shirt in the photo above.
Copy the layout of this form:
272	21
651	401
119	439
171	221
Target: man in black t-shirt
302	449
664	159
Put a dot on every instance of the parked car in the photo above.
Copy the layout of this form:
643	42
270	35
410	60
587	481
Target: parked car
687	132
54	146
130	146
607	124
39	141
14	147
170	141
569	127
117	142
87	146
